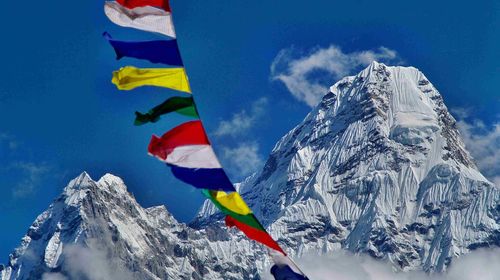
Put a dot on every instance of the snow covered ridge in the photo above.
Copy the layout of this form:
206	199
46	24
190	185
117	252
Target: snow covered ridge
378	167
96	230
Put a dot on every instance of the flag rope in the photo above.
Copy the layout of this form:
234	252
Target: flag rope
150	16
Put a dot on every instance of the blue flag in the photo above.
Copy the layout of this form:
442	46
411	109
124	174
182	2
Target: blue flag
285	273
161	51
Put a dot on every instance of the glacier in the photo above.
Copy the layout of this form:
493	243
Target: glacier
377	168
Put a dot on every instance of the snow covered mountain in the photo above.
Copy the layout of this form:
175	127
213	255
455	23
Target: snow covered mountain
378	167
97	231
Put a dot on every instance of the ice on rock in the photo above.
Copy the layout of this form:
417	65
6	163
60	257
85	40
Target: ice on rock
53	251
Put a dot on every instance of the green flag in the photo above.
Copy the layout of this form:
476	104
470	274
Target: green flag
182	105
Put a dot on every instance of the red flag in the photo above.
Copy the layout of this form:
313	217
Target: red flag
141	3
189	133
254	234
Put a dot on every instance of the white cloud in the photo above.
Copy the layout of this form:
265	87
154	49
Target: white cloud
308	76
241	122
244	159
85	263
483	142
33	173
345	266
53	276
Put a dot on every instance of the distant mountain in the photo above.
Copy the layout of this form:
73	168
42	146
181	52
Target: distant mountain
96	230
378	167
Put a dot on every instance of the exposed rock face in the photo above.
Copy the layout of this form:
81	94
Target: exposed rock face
96	230
378	167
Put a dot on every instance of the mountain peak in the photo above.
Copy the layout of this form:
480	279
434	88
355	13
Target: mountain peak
111	178
77	189
81	180
113	183
377	167
405	107
375	64
97	230
82	184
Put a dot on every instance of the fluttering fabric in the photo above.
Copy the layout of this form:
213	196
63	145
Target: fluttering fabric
164	4
231	201
204	178
285	273
259	235
193	156
227	205
160	51
281	260
185	148
143	18
192	160
189	133
129	77
181	105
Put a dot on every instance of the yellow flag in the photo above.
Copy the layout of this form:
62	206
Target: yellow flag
232	201
129	77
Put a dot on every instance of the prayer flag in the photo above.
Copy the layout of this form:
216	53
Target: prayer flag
232	201
240	215
227	205
285	273
281	261
204	178
162	51
192	160
143	18
185	148
181	105
141	3
129	77
186	134
254	234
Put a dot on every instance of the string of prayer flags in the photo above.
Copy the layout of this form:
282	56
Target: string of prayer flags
186	148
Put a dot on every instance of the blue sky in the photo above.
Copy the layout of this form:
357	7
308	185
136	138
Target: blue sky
61	115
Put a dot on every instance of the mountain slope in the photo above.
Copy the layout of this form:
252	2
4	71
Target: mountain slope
377	167
96	230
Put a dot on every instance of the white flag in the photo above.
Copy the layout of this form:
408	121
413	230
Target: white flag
143	18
